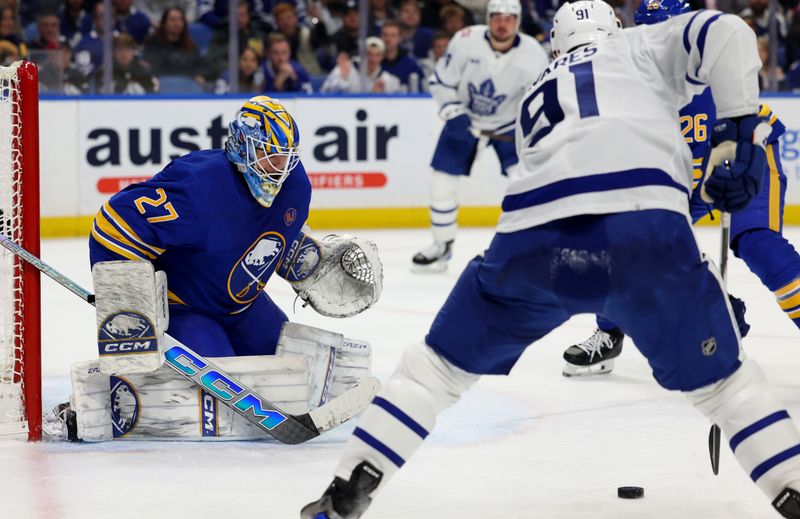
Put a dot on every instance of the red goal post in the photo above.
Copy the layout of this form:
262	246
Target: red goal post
20	308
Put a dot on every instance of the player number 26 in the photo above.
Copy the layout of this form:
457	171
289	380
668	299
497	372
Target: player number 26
693	129
160	202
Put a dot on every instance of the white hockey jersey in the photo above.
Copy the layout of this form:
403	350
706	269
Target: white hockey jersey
598	132
487	83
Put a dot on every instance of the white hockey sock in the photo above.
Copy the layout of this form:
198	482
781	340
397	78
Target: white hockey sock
444	206
404	412
760	431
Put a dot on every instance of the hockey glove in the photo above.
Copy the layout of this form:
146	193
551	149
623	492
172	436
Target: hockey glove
737	162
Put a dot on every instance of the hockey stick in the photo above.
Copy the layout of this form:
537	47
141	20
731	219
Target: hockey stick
502	137
714	435
283	426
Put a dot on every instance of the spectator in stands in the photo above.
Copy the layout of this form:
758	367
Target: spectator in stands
214	13
431	13
281	72
757	10
11	42
299	36
89	50
130	20
154	9
379	12
767	72
346	38
397	62
130	75
73	80
170	51
251	34
348	77
438	49
251	75
415	39
453	19
70	15
50	37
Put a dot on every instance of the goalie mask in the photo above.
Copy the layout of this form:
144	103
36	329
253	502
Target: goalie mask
263	144
655	11
581	23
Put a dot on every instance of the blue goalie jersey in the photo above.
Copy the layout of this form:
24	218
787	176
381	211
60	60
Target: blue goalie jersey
197	221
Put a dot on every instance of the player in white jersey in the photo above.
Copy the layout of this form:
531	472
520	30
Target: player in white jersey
478	84
597	220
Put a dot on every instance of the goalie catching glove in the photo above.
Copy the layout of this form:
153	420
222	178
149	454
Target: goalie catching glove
339	275
737	162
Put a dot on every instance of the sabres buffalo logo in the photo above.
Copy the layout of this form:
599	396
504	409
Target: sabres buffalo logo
251	272
124	406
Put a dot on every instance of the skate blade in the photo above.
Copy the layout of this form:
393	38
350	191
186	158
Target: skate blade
601	368
437	267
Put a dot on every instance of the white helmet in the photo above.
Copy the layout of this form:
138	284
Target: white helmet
512	7
580	23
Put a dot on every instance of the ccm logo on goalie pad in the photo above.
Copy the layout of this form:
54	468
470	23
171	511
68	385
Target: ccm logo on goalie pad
124	333
208	418
124	407
223	388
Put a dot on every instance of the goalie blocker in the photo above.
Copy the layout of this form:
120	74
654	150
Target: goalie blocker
311	367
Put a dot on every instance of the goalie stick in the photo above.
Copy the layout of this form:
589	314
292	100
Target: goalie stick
714	435
283	426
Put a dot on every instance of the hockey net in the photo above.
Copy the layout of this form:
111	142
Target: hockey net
20	366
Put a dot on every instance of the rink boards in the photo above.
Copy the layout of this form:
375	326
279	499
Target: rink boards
368	156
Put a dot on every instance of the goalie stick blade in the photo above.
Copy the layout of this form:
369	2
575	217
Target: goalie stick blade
345	406
713	447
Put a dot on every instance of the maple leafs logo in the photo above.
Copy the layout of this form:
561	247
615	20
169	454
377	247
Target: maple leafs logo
482	100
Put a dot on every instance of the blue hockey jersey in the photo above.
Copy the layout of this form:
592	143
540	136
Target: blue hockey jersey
197	221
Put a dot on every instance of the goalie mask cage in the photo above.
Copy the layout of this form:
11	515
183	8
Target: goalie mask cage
20	327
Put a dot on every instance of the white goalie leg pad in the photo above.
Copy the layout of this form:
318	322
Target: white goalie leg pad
336	363
132	316
163	405
444	206
763	437
404	412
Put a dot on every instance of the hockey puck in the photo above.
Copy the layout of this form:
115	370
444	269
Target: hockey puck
630	492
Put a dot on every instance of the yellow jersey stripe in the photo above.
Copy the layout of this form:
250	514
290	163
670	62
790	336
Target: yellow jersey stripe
786	290
175	299
113	247
788	304
774	191
794	315
112	233
117	220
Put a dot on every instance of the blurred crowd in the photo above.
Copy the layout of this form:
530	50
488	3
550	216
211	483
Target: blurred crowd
181	46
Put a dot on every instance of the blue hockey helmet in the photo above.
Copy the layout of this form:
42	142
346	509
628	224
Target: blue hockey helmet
264	145
657	11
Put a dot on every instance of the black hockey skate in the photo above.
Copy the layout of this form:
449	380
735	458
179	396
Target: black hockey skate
433	258
346	499
788	503
595	355
62	424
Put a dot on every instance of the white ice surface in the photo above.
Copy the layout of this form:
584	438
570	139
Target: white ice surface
531	445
